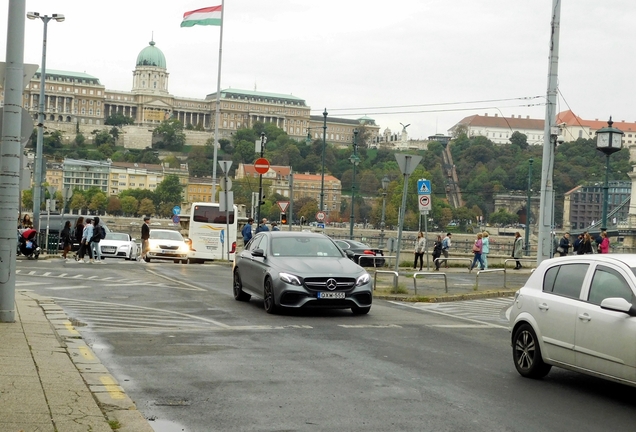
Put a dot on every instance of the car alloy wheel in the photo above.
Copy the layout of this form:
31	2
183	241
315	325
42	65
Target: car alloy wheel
526	353
268	297
239	294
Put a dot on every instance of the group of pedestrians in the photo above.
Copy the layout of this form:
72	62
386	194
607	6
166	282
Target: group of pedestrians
481	249
246	232
440	247
584	244
87	234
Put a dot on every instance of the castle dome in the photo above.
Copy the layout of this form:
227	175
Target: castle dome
151	56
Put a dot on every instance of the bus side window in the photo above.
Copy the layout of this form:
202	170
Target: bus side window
200	218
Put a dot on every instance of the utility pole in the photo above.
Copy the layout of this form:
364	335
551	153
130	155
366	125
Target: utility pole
528	206
10	157
260	182
546	206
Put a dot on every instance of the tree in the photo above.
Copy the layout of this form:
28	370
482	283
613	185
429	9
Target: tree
27	199
98	203
78	202
169	191
129	205
146	207
503	217
169	135
118	120
114	206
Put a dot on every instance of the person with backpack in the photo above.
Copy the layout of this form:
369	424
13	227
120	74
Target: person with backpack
98	234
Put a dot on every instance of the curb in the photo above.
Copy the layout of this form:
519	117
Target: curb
108	394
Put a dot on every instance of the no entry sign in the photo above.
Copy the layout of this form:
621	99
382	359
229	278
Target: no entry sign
261	165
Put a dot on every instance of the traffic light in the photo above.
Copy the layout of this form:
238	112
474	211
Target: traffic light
283	218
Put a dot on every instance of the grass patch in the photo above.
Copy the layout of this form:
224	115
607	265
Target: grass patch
114	424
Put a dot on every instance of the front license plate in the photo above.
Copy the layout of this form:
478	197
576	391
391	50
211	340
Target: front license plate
168	252
331	295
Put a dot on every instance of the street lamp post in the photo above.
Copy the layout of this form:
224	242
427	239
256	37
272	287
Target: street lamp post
608	140
527	241
322	172
260	181
37	176
385	185
355	160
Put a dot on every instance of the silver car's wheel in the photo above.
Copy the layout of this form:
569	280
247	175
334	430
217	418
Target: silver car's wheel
268	297
526	353
237	288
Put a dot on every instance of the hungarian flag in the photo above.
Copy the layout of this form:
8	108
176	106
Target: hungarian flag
203	16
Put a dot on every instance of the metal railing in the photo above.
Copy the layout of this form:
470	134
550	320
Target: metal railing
469	260
489	271
514	259
374	258
416	274
395	278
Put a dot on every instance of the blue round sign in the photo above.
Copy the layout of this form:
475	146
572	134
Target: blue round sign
176	210
175	219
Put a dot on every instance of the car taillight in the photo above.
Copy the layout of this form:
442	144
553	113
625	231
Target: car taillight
233	247
368	252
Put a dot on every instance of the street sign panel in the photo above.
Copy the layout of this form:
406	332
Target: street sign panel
176	210
282	205
175	219
226	184
320	225
261	165
425	203
320	216
423	187
407	163
225	165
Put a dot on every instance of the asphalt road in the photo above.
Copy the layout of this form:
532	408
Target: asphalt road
194	359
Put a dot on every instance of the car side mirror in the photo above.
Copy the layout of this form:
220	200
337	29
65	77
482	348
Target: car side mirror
618	304
258	253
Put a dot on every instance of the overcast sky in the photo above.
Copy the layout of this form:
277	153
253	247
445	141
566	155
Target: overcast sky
403	61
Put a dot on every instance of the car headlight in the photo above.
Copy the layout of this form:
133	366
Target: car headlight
124	246
363	280
290	279
184	248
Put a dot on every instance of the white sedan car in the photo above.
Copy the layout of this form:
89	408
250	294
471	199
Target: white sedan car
119	245
579	313
167	245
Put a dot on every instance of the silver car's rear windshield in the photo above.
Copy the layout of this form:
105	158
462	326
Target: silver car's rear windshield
305	247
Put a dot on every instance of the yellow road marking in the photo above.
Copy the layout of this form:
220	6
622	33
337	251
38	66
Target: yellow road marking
110	385
70	328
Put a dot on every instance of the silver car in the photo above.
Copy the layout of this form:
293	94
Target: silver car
119	245
300	269
579	313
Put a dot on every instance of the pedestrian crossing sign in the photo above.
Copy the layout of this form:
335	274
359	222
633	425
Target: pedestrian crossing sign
423	187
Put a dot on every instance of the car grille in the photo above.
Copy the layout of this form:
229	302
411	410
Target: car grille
109	249
168	247
320	283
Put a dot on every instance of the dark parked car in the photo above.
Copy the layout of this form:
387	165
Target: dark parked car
361	253
300	269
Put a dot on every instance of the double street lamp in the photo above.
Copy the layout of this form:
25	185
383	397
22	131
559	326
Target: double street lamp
385	185
608	140
39	159
355	160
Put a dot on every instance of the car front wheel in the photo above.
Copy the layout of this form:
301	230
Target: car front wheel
268	297
239	294
526	353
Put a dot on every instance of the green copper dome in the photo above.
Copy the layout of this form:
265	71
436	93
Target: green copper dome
151	56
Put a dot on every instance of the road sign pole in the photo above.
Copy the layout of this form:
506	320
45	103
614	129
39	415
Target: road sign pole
260	182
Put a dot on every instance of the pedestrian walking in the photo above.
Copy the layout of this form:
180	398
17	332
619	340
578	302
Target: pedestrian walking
85	243
585	247
67	240
485	248
97	236
275	226
605	243
517	249
477	250
145	235
446	245
564	245
577	243
247	231
420	244
78	231
437	251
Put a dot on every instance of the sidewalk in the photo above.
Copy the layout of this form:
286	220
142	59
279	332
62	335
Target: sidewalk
51	381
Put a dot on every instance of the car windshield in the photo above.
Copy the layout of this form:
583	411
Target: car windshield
116	236
358	245
165	235
304	247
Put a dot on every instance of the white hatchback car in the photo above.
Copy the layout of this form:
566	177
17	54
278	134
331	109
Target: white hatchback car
577	312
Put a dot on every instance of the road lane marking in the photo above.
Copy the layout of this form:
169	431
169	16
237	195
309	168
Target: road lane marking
369	326
185	284
483	323
69	287
70	328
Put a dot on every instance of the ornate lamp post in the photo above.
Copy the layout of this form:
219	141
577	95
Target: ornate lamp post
385	185
355	160
608	140
39	160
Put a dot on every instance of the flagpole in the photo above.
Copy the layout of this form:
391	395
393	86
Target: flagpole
217	113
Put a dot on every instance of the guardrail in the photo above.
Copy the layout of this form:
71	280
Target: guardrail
514	259
489	271
375	258
468	260
395	277
416	274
